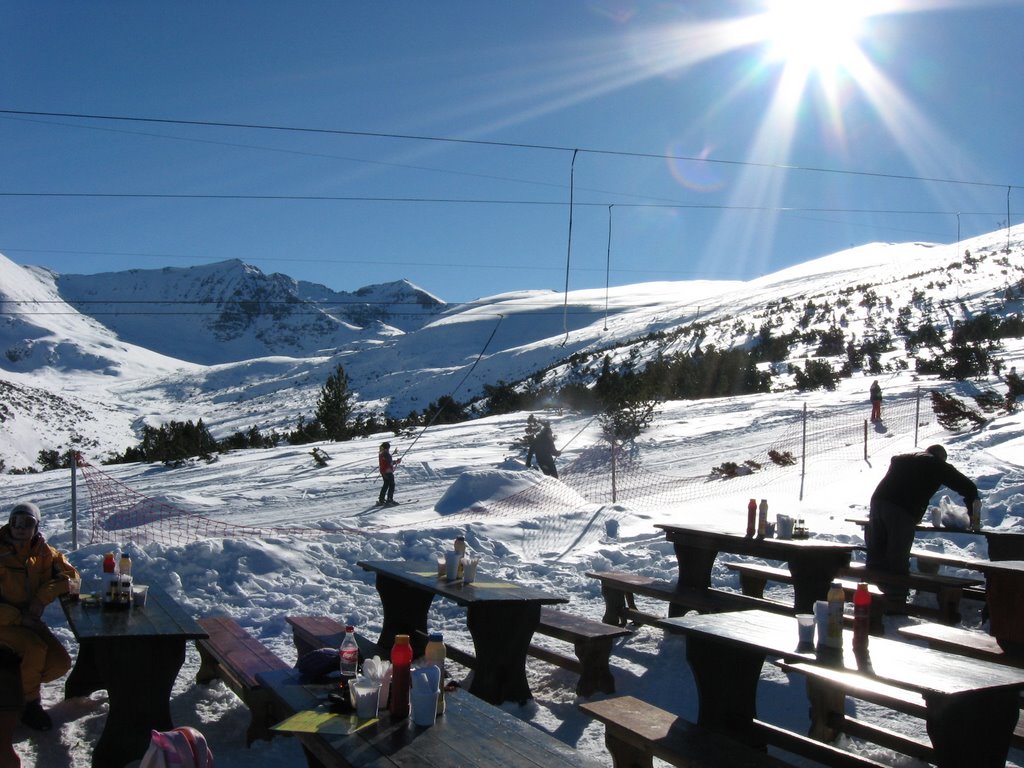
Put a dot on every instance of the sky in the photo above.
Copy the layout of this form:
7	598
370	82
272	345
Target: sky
564	530
476	148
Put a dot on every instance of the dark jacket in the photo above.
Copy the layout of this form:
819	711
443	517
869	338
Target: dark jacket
543	447
913	478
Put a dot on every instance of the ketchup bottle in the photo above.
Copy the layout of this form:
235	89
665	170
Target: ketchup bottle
751	517
401	676
861	617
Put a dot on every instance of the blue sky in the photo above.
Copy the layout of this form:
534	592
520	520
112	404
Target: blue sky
437	139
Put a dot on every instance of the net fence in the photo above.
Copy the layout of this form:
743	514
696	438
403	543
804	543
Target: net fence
591	486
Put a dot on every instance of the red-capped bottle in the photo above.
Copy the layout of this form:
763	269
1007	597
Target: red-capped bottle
861	617
401	676
751	517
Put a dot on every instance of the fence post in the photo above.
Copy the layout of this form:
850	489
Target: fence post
73	461
614	499
803	454
865	439
917	414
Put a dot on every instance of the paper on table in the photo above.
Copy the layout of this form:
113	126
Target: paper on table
311	721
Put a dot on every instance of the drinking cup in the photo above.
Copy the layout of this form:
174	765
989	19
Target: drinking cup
469	570
367	697
140	593
936	515
74	590
805	628
442	566
784	526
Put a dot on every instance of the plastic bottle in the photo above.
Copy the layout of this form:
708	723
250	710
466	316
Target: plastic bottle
976	515
861	617
348	653
109	565
435	653
762	518
125	566
401	679
751	517
836	597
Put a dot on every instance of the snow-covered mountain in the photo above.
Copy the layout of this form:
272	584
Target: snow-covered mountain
89	359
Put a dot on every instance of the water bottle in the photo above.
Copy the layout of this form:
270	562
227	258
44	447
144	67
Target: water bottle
401	676
348	651
751	517
835	598
435	653
861	617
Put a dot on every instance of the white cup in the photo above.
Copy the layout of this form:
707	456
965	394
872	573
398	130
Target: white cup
469	570
821	619
140	593
936	514
784	526
367	697
424	707
805	628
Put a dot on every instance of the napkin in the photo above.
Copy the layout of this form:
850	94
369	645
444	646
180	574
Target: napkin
379	671
426	679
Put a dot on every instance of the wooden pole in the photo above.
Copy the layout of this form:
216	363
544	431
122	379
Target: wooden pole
803	454
73	461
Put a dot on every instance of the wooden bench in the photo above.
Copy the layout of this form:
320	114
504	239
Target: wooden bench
948	590
636	732
755	577
620	589
928	561
236	657
592	642
966	642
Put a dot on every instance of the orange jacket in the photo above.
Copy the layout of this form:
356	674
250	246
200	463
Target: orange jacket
32	571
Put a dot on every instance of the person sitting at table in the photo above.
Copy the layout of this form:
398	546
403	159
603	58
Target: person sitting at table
32	574
897	506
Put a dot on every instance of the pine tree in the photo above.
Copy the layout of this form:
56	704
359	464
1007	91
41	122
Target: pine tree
334	405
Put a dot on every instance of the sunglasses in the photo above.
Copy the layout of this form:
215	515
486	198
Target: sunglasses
23	521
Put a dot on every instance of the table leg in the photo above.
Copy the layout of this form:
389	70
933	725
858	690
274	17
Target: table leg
138	674
972	729
726	679
405	613
695	564
1006	621
501	632
812	577
84	677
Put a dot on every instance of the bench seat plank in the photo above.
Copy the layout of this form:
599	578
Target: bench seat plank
236	657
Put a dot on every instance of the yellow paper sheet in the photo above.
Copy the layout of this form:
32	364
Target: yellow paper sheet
320	722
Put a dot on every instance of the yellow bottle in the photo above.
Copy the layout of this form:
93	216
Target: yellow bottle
836	597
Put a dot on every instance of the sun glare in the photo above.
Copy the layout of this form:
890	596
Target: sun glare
814	35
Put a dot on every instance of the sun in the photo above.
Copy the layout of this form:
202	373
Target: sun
814	36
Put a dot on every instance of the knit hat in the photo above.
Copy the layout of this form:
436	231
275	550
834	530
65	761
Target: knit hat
25	508
937	451
385	446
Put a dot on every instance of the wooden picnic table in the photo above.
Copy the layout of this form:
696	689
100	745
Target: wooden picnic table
813	562
971	705
1004	593
470	734
501	615
135	654
1002	545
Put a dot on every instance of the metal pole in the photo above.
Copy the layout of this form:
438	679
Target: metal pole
917	415
614	499
803	454
865	439
73	456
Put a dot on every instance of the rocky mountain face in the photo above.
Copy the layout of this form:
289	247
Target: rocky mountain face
246	313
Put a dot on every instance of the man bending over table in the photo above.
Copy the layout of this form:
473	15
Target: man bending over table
897	506
32	574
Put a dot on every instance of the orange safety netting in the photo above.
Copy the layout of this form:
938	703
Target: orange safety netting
120	513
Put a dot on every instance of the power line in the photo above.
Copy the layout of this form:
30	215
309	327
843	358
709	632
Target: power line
502	144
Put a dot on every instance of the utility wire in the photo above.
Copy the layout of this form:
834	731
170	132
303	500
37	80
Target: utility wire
493	143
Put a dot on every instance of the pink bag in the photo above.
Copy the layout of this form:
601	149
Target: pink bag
181	748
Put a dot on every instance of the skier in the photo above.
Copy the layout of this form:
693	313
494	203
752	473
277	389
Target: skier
543	447
876	401
387	471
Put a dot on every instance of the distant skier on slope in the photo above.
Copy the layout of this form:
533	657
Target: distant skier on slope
543	447
876	401
387	471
